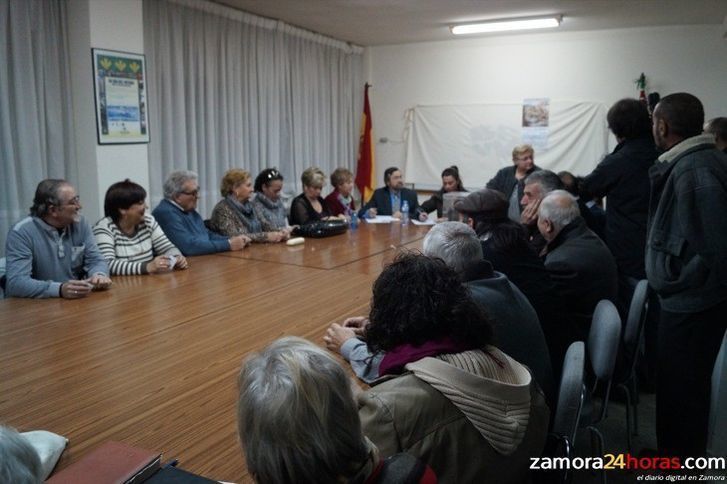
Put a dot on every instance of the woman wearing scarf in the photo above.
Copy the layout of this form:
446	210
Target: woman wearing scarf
234	214
447	395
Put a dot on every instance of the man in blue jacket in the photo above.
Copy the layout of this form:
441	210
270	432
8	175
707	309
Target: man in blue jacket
686	263
178	218
389	199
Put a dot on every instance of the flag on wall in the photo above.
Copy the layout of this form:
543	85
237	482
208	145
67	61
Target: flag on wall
365	170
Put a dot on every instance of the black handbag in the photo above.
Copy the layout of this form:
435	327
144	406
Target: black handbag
320	229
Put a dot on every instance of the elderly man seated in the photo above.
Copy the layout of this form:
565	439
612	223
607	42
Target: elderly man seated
52	253
579	263
178	218
516	324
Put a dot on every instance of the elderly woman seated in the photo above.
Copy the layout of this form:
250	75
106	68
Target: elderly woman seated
340	200
451	398
298	422
131	240
309	207
234	214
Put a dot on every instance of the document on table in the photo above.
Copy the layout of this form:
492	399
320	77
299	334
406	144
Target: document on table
382	219
428	221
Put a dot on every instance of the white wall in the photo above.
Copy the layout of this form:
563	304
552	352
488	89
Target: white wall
104	24
596	66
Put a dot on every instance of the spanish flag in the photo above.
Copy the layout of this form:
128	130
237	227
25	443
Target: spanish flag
365	170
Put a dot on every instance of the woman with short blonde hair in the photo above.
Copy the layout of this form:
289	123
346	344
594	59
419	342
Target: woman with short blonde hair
511	179
309	207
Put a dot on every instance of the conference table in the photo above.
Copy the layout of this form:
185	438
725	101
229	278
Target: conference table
153	361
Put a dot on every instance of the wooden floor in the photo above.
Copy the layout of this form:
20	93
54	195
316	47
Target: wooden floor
153	361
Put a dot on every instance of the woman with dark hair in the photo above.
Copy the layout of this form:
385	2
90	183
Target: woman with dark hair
131	240
267	204
451	182
451	398
234	214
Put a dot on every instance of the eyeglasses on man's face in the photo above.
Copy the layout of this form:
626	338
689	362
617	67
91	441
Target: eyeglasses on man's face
75	201
191	193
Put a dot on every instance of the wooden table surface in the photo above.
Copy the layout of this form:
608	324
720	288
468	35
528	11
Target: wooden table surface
153	361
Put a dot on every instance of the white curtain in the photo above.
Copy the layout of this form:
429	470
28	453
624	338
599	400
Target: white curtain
479	139
230	89
36	114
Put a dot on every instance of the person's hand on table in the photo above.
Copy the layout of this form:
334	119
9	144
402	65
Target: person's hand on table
358	324
336	335
74	289
99	282
239	242
371	213
423	217
159	264
182	262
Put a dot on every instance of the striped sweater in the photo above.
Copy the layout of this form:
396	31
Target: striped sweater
129	255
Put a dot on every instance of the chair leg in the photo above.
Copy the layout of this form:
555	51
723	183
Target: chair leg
628	417
599	448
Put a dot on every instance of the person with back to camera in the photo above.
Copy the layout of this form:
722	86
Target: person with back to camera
267	203
52	253
511	179
309	207
298	422
178	217
340	200
450	397
718	128
451	182
389	199
234	214
19	461
131	240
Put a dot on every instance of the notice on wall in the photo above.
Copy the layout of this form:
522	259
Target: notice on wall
536	122
121	115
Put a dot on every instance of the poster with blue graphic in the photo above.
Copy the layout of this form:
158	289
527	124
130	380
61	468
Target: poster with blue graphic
120	80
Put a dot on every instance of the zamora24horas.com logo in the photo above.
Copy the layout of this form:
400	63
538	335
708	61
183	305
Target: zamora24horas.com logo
629	462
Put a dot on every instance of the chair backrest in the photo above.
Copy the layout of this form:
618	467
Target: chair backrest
571	392
637	315
603	340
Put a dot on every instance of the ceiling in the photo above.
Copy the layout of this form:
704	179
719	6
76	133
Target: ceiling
381	22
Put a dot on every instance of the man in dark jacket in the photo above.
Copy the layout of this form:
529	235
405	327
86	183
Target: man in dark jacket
686	263
389	199
578	261
623	177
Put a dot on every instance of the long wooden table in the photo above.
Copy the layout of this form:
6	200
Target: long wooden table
153	361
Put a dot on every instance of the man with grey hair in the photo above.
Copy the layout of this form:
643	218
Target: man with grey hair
516	324
537	185
298	421
19	462
180	221
579	263
52	253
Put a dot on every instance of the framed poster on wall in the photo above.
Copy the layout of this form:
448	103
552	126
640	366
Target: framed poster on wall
120	85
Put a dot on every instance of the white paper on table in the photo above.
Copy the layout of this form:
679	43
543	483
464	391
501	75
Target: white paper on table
381	219
428	221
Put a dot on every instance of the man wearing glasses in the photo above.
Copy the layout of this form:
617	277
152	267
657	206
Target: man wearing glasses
52	253
180	221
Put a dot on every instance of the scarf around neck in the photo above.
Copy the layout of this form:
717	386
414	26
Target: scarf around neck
395	359
245	213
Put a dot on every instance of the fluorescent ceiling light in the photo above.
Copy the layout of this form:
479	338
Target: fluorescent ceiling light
506	25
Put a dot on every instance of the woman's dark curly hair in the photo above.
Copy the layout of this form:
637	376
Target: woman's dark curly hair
418	299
